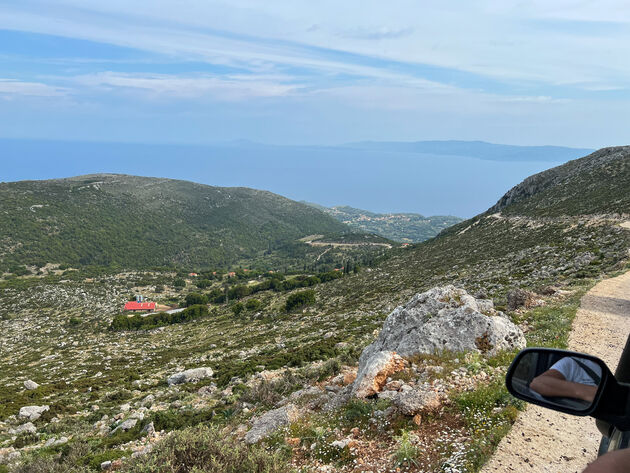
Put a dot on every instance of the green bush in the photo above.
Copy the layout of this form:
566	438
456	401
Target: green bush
207	450
253	304
203	283
25	439
71	460
237	308
195	298
300	299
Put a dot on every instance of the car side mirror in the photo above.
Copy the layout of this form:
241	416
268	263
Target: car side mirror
570	382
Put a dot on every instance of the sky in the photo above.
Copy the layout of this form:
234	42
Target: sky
325	72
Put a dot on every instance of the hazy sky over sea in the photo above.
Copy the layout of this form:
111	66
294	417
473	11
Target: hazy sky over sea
380	180
304	72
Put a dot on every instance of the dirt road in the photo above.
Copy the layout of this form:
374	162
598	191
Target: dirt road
542	440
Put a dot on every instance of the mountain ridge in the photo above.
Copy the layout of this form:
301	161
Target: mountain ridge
108	218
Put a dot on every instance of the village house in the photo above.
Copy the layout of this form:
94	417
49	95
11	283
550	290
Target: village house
134	306
139	305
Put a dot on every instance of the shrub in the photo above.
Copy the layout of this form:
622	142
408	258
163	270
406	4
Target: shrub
206	449
71	460
25	439
300	299
179	282
406	454
237	308
253	304
203	283
195	298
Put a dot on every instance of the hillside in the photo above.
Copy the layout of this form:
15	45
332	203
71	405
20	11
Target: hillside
139	222
401	227
556	226
595	184
267	356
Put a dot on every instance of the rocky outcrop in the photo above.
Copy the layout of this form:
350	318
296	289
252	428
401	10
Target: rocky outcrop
189	376
272	421
374	371
32	413
28	428
443	318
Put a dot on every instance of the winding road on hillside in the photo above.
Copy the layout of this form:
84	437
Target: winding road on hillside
542	440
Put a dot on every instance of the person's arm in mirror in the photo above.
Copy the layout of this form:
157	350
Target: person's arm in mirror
612	462
552	383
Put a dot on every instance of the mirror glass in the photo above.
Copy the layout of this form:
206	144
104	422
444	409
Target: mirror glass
556	378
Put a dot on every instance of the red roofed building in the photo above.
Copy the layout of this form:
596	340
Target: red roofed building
137	306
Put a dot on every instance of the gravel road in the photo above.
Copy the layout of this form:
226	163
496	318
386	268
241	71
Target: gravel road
542	440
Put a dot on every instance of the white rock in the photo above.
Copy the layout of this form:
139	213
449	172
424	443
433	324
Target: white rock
189	376
272	421
24	428
32	412
30	385
125	426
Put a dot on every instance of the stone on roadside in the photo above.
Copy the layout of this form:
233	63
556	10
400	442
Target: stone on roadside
189	376
414	401
445	319
517	298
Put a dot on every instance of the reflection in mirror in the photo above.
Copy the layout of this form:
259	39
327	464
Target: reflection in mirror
568	381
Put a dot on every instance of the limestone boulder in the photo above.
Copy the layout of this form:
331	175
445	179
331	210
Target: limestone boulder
32	413
413	401
441	319
271	421
190	376
30	385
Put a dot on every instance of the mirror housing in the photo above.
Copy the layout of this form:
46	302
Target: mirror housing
610	401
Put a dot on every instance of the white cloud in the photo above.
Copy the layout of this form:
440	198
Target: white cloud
10	88
229	88
507	40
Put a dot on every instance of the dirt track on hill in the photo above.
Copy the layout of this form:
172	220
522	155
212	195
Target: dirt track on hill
542	440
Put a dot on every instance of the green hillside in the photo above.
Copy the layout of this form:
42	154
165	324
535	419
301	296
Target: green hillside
558	226
141	222
597	183
401	227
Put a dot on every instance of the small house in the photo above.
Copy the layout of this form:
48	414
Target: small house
134	306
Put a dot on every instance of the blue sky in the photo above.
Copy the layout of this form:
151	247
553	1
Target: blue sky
326	72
